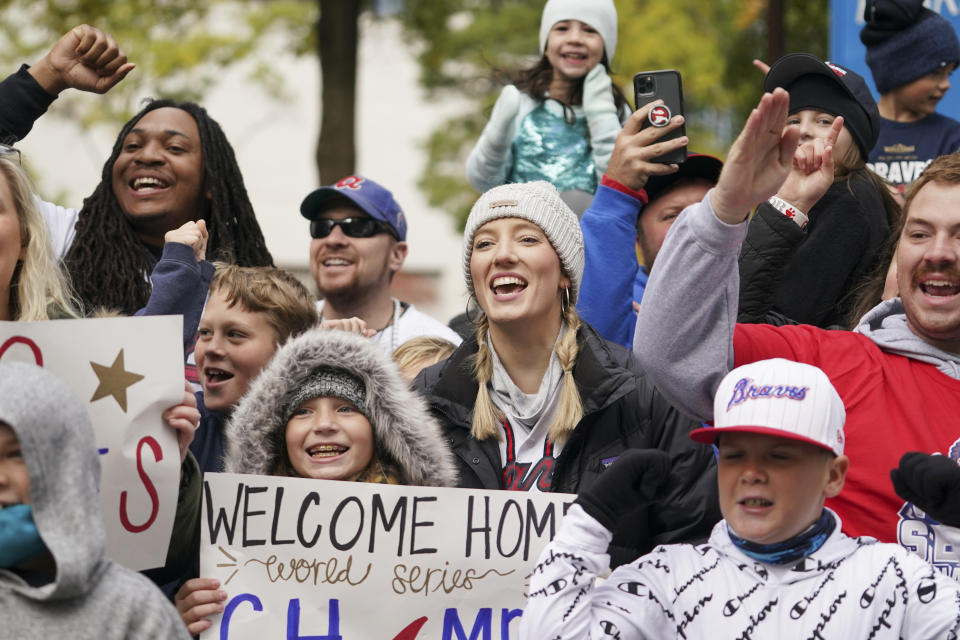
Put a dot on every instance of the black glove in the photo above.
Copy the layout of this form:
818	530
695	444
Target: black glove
930	482
632	481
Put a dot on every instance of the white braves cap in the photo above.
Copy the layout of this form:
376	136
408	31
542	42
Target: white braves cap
779	398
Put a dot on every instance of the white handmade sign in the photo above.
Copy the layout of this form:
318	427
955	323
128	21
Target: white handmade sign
127	371
323	559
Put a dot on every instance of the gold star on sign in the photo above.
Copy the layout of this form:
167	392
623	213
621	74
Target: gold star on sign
114	381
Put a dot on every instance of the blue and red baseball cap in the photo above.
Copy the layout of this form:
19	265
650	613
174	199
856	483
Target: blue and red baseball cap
371	198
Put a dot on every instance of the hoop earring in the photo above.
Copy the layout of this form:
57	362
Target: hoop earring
476	305
566	295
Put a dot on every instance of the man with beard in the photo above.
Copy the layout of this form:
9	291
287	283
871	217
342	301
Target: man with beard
359	242
898	373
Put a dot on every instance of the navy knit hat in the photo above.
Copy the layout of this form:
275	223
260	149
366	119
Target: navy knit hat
906	41
825	86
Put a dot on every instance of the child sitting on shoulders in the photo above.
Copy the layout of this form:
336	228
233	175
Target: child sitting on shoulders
559	119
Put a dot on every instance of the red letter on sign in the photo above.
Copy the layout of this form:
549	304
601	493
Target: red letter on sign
37	356
158	454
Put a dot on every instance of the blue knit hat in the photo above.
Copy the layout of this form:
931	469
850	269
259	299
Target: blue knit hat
906	41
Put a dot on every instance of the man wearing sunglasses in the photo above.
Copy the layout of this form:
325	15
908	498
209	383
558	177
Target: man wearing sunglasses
359	241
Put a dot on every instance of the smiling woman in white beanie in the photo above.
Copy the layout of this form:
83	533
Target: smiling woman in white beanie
537	400
559	119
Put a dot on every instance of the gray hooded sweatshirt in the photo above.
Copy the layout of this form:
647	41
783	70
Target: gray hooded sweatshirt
405	434
90	596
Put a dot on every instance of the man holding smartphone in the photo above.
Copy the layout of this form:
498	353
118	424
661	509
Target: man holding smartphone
359	242
637	201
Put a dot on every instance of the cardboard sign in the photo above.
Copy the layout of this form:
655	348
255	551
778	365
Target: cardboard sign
128	371
323	559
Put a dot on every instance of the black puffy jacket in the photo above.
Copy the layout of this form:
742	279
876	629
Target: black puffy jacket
808	276
622	410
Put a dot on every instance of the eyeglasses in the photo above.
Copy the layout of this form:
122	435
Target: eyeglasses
351	227
10	152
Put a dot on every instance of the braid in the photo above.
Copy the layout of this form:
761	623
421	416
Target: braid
235	235
107	260
570	410
486	416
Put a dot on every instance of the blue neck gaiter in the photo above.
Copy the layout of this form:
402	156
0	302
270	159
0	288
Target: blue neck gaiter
792	549
19	539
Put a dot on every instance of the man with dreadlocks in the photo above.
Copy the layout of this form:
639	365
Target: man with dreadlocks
171	164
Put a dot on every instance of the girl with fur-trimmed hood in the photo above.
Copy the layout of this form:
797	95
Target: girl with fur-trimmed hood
330	405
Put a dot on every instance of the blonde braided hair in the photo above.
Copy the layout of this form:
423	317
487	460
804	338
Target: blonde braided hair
486	415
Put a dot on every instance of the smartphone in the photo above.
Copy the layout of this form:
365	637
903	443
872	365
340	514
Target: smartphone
664	85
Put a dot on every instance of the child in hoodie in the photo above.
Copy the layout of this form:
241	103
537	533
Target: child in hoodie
776	566
558	120
55	581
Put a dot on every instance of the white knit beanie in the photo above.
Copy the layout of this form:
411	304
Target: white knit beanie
599	14
539	203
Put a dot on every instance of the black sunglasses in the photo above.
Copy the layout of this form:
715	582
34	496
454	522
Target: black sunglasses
351	227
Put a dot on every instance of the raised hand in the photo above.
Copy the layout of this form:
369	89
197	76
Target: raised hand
761	65
759	160
193	234
85	58
812	171
504	111
631	162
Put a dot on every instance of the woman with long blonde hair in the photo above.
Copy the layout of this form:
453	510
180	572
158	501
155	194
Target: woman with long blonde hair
32	285
537	400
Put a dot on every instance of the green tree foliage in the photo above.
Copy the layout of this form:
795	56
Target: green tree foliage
180	46
712	44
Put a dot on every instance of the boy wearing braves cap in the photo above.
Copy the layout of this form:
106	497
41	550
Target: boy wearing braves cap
359	242
776	566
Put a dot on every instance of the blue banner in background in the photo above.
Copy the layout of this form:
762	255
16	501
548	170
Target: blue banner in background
846	20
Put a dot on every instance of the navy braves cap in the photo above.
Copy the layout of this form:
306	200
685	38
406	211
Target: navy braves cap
698	165
815	84
371	198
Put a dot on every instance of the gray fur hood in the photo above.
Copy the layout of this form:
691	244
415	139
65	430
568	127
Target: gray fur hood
403	428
